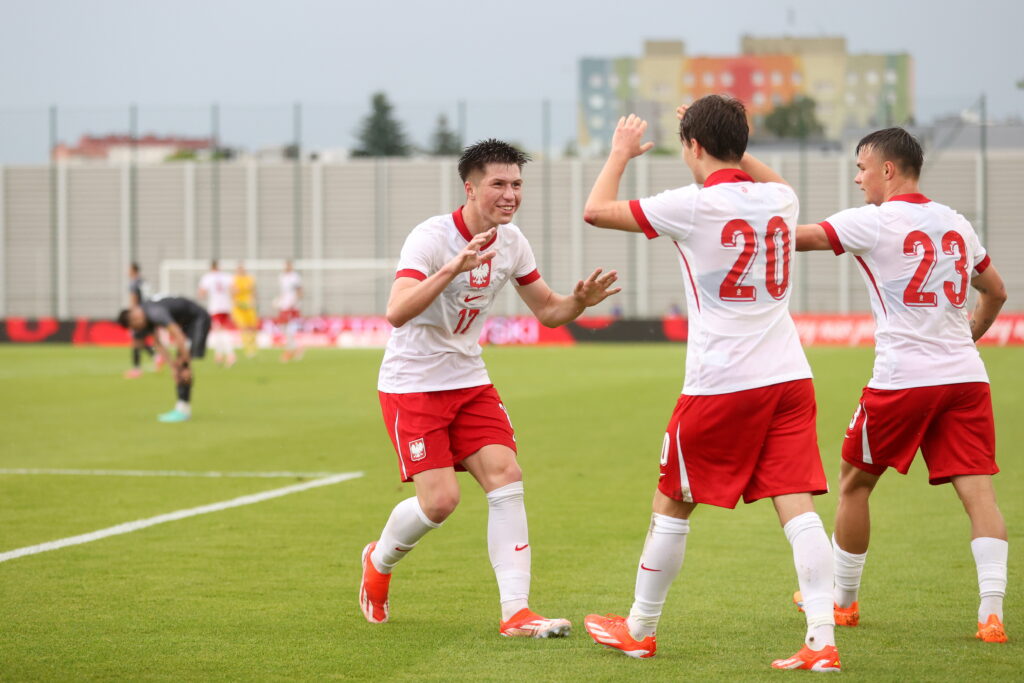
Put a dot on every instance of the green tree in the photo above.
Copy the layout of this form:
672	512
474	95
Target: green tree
445	141
794	120
380	135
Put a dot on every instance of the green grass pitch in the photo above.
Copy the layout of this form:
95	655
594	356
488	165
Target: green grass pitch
268	591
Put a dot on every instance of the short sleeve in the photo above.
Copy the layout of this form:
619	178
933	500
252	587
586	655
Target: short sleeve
419	256
669	213
525	270
853	230
981	260
158	315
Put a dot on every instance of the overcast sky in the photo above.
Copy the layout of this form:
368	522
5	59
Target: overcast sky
86	55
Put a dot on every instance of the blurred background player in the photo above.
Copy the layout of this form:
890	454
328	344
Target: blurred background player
440	408
745	423
215	290
138	291
288	300
929	388
187	325
243	310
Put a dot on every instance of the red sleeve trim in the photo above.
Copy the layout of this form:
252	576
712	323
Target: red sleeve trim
410	272
641	219
983	265
532	276
833	238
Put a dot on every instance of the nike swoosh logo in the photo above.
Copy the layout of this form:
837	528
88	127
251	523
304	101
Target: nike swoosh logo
402	550
473	298
648	568
522	547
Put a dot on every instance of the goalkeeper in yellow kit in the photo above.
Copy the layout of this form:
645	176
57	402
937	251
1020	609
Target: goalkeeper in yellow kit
243	312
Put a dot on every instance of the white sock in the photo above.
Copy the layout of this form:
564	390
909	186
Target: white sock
660	563
508	544
849	568
183	407
990	557
406	526
812	556
225	344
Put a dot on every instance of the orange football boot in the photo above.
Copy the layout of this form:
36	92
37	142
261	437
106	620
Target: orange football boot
527	624
825	660
373	589
992	631
612	631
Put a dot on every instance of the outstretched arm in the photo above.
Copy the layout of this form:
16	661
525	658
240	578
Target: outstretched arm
992	292
811	237
410	297
554	309
604	209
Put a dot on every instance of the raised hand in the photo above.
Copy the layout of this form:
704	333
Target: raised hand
681	110
628	134
594	289
471	257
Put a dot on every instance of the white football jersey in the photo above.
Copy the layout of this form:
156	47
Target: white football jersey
916	257
735	243
217	285
289	284
439	349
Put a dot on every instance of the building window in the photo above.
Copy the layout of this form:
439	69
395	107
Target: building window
596	122
776	77
776	99
726	79
709	79
797	78
871	77
758	98
613	81
757	78
596	102
891	77
596	81
851	78
688	79
850	99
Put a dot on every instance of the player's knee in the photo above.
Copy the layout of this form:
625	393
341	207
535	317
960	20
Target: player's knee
438	505
508	473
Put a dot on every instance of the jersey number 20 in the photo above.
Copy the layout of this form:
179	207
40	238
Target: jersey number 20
776	239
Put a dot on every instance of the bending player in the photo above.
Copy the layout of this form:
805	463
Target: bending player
187	325
745	423
215	288
440	408
929	389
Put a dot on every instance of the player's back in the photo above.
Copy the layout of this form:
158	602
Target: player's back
734	238
917	258
217	286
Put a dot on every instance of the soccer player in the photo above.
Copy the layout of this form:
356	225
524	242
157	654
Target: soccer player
138	291
745	423
929	388
187	325
243	311
215	288
288	301
440	408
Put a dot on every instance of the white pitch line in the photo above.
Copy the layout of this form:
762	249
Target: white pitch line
129	527
168	473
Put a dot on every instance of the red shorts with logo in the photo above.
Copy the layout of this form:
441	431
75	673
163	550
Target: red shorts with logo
436	429
286	315
757	443
952	424
221	319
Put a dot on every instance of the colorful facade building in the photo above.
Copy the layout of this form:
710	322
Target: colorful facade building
859	90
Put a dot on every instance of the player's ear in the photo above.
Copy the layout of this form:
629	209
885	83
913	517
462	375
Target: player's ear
470	188
888	170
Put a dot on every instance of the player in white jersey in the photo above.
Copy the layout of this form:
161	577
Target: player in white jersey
288	300
215	288
745	423
440	408
929	389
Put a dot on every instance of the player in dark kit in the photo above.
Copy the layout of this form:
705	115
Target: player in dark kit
187	324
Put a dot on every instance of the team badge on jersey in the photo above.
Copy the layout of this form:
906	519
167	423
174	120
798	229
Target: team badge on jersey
417	450
481	275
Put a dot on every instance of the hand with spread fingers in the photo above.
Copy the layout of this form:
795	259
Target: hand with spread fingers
471	257
681	111
628	134
594	289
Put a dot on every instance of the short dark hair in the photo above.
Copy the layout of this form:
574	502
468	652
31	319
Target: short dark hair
719	124
135	266
898	146
122	318
489	151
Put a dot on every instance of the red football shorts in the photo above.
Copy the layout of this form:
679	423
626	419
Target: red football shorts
757	443
221	320
436	429
952	424
286	315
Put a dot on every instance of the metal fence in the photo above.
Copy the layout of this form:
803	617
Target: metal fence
68	232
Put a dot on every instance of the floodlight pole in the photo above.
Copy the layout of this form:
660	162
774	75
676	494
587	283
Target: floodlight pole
53	213
215	181
133	181
297	182
546	163
983	149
